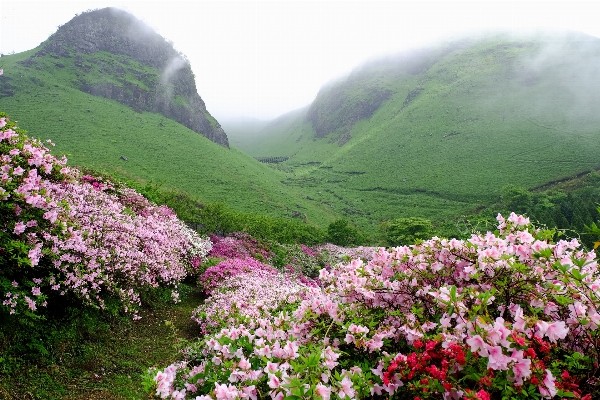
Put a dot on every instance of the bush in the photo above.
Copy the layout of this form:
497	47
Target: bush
66	236
501	315
341	233
406	231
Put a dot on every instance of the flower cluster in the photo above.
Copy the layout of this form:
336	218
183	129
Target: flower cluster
215	275
239	245
502	314
344	254
247	295
63	233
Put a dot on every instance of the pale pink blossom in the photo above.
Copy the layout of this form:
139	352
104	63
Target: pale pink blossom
556	330
497	360
548	390
478	345
323	391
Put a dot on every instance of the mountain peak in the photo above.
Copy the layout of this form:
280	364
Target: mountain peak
140	67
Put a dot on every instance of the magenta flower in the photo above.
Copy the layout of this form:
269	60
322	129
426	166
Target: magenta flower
19	228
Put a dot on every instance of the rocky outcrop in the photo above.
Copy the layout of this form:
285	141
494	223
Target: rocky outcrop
147	74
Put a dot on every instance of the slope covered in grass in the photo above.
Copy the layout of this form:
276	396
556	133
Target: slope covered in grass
101	133
440	131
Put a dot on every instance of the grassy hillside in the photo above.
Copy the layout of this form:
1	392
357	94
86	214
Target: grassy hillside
434	133
440	131
96	132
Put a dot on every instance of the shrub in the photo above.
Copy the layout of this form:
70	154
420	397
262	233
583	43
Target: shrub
63	234
501	315
405	231
341	233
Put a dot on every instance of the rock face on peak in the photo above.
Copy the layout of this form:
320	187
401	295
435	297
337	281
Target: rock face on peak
117	56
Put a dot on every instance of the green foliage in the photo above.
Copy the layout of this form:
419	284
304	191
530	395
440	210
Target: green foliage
440	147
570	207
95	132
341	233
406	231
89	353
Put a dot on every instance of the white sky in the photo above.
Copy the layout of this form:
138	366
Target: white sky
262	59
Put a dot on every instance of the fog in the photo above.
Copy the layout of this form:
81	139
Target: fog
263	59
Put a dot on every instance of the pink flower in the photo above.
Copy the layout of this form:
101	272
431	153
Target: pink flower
291	350
18	171
19	228
550	390
274	381
497	360
323	391
225	392
244	364
556	330
271	367
477	345
30	303
346	388
51	215
522	367
250	392
36	291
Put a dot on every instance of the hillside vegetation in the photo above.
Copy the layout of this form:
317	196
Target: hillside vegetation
438	132
434	133
44	90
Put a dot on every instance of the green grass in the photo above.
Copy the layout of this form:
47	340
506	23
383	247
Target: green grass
95	132
110	362
463	121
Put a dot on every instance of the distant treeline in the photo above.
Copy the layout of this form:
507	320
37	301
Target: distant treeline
271	160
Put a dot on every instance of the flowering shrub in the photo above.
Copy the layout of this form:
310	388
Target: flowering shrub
338	254
239	245
502	315
66	234
253	294
215	275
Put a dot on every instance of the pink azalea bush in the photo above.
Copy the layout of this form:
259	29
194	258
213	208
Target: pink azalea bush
507	314
228	268
66	234
239	245
249	294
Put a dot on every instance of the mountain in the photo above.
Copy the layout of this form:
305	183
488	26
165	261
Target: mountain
107	91
112	54
439	131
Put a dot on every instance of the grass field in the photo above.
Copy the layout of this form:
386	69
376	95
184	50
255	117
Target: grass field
460	122
435	133
96	132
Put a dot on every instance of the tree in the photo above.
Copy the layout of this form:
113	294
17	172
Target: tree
406	231
516	199
341	233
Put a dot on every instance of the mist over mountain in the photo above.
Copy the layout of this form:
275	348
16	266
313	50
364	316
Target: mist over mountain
113	54
445	127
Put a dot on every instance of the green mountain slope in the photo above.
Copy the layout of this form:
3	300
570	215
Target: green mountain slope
439	131
44	90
